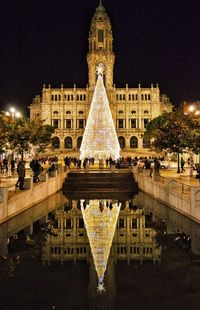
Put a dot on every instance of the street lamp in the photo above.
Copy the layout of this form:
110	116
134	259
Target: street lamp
191	108
13	113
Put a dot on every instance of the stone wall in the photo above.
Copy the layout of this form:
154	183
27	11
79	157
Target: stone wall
22	200
183	198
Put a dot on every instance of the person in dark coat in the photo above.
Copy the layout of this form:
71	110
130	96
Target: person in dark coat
21	175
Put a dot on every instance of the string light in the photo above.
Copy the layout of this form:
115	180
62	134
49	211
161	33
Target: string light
100	138
100	222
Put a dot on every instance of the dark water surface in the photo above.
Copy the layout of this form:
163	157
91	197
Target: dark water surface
100	254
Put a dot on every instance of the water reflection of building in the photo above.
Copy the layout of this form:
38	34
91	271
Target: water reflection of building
134	239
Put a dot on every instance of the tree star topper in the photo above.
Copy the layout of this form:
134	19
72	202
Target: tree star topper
100	69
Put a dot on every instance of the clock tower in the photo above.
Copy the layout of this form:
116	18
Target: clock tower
100	48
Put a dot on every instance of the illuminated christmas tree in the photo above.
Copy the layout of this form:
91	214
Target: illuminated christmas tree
100	222
100	138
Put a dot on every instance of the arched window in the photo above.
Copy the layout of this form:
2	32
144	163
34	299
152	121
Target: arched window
133	143
146	112
79	141
68	143
122	142
55	112
55	143
146	143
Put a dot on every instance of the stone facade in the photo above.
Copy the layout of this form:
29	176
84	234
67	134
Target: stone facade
132	108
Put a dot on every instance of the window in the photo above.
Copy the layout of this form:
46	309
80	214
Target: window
146	112
134	223
81	123
100	35
68	223
55	112
68	143
81	223
120	123
120	112
68	112
55	143
68	123
133	112
121	223
79	141
55	123
80	112
121	142
133	143
133	123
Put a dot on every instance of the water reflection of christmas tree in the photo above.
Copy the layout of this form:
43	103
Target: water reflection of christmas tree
100	220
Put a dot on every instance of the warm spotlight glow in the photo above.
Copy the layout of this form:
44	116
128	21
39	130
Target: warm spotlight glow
191	108
18	114
12	110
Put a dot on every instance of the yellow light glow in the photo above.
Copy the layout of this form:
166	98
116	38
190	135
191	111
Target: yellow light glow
191	108
18	114
12	110
100	222
100	138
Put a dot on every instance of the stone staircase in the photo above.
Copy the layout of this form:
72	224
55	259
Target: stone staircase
102	185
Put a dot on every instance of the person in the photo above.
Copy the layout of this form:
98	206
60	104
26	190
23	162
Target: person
12	167
156	165
5	165
198	172
52	168
36	170
21	175
182	164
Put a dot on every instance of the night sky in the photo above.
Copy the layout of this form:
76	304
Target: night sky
45	41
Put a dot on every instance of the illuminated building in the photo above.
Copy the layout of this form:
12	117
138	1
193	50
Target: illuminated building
132	108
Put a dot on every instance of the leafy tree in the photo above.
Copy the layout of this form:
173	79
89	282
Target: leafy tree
174	132
20	134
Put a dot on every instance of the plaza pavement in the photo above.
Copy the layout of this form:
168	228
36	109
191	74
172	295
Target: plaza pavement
184	177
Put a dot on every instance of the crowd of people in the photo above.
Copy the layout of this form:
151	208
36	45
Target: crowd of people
10	166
